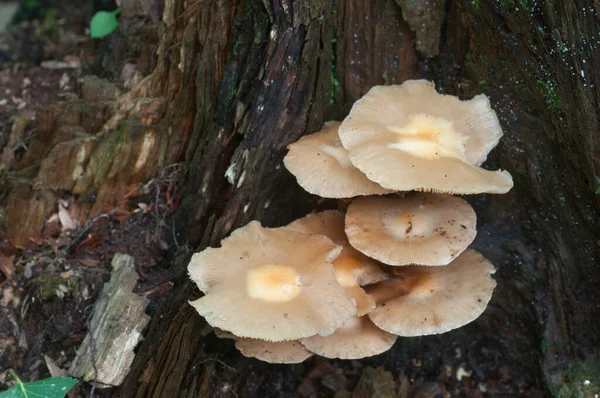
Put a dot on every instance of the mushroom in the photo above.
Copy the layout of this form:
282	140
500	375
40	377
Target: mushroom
322	167
420	228
352	268
408	137
272	284
358	338
273	352
431	300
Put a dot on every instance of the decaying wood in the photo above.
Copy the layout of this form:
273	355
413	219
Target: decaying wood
235	81
119	317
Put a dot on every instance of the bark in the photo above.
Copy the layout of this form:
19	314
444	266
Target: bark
235	81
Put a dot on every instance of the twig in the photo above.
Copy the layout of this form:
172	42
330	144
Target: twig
74	242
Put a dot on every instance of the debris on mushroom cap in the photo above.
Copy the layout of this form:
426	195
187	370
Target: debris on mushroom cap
358	338
273	284
273	352
352	268
409	137
432	300
421	228
322	167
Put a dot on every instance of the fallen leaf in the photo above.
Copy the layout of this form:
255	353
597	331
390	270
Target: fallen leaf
36	240
121	215
65	218
92	240
53	368
9	297
88	261
7	266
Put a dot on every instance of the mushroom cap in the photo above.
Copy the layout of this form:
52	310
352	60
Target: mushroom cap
358	338
273	352
271	284
421	228
408	137
322	167
432	300
352	268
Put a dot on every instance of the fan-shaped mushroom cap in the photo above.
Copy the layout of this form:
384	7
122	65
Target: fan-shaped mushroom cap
322	167
421	228
358	338
352	268
432	300
273	352
409	137
271	284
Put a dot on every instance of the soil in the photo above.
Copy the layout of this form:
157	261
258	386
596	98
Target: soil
51	287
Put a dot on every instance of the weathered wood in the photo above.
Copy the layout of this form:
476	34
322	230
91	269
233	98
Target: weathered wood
116	326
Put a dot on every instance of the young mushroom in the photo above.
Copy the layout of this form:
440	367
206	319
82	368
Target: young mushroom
272	284
358	338
421	228
408	137
322	167
431	300
352	268
273	352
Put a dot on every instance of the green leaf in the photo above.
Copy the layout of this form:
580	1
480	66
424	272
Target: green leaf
54	387
104	23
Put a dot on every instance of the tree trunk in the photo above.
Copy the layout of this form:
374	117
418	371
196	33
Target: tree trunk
236	81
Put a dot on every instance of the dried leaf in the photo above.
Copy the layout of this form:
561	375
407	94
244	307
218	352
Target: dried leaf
92	240
53	368
121	215
7	266
65	218
88	261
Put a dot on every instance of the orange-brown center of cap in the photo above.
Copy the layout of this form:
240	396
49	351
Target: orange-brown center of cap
429	137
273	283
345	266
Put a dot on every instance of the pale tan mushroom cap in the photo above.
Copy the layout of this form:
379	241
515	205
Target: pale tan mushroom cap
271	284
358	338
409	137
432	300
322	167
273	352
352	268
421	228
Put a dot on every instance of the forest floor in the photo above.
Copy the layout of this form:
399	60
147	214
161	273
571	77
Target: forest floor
48	288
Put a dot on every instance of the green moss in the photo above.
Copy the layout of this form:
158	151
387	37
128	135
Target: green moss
334	83
549	91
476	3
544	346
49	286
580	380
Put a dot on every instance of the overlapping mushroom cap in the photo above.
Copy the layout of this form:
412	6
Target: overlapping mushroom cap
273	352
322	167
271	284
352	268
358	338
421	228
409	137
432	300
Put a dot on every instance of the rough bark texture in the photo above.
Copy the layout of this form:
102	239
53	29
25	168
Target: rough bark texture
237	80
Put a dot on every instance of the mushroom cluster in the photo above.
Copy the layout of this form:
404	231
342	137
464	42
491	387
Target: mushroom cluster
346	283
